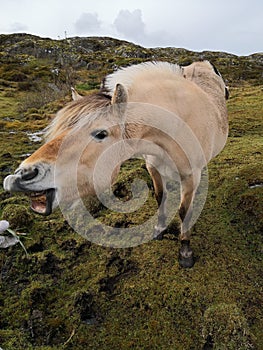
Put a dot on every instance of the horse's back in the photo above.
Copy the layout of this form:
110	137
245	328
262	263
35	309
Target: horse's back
183	99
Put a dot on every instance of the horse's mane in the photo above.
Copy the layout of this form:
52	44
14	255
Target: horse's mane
150	70
73	112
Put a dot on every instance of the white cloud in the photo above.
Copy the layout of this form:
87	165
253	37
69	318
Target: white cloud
88	23
17	27
130	24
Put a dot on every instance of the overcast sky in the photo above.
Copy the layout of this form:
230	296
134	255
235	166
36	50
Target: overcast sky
234	26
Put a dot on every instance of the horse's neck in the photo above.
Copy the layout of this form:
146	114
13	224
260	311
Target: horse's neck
213	90
208	85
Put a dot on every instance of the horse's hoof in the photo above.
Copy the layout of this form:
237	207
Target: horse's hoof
186	262
186	256
159	232
159	236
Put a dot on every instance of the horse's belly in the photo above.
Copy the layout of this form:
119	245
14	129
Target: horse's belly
166	168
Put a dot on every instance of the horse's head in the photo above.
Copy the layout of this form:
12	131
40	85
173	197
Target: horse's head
207	76
81	132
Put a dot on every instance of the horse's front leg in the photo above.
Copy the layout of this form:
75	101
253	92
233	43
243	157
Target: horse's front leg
189	186
161	198
162	216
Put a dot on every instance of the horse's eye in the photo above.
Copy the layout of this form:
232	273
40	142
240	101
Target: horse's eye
99	135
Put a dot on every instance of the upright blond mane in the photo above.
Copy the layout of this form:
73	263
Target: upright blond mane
152	70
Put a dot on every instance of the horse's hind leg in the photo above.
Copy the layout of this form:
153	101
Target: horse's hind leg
189	186
161	196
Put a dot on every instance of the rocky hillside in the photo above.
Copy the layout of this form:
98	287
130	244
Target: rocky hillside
48	57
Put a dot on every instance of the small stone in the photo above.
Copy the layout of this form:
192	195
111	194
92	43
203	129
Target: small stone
6	242
3	225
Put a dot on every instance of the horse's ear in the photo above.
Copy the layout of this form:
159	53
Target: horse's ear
75	95
120	95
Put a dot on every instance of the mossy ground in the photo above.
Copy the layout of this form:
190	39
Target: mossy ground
72	294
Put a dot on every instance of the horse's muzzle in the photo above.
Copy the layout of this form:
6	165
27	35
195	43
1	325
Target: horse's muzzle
36	183
20	181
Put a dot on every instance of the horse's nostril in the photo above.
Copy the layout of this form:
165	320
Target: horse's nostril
29	174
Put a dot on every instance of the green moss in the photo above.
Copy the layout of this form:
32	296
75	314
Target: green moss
13	339
225	327
18	216
8	106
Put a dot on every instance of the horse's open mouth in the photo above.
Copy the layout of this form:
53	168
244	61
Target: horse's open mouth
41	202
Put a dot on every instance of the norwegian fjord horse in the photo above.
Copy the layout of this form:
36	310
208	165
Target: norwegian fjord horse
177	115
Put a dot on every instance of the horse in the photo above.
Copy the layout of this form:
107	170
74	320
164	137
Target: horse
174	116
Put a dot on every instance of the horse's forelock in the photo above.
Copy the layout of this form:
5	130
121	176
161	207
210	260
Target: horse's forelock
74	112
